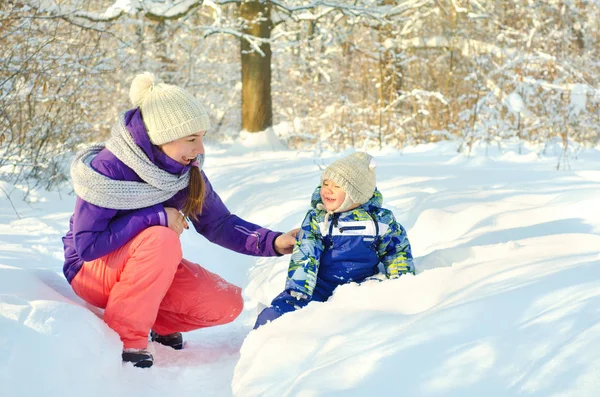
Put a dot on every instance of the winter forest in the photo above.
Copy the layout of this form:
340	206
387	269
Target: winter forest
483	120
335	74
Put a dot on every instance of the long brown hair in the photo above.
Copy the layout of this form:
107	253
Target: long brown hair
195	199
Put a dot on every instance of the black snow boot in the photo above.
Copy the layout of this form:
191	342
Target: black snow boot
140	358
172	340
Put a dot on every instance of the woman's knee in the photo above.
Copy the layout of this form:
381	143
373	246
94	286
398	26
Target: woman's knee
238	303
225	306
163	242
160	234
232	304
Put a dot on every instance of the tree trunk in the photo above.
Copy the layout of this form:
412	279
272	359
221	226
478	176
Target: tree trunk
257	109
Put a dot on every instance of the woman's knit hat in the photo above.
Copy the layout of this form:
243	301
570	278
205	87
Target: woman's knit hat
169	112
355	174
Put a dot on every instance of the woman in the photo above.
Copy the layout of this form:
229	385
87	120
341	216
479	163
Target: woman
136	194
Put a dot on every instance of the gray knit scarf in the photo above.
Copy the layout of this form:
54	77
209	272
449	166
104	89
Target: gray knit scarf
97	189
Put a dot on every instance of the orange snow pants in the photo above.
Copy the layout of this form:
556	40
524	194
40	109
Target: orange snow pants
146	284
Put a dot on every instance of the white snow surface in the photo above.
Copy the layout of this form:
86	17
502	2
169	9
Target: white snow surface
506	300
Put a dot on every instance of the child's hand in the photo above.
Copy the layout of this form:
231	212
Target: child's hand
298	295
298	300
284	243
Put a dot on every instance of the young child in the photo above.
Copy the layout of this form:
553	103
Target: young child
343	238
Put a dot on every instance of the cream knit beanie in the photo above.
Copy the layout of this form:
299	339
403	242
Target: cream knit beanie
169	112
355	174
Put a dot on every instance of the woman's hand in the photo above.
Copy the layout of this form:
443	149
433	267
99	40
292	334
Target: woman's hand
284	243
175	220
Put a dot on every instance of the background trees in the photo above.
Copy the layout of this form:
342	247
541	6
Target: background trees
327	74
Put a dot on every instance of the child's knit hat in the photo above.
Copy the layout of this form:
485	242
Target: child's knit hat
355	174
169	112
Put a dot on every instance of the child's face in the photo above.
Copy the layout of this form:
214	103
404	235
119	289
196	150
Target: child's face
332	195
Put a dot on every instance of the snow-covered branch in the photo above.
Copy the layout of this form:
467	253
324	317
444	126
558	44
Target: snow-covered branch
157	11
299	13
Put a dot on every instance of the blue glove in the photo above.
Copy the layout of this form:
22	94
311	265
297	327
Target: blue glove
298	301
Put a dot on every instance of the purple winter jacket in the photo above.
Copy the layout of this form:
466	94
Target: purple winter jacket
96	231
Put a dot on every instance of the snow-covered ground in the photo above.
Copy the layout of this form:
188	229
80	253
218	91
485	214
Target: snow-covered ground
506	300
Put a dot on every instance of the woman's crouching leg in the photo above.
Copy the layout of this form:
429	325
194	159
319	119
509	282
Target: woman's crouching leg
130	282
196	299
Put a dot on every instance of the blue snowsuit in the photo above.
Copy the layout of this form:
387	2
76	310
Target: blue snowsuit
339	248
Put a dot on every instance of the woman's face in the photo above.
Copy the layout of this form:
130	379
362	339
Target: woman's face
332	195
184	150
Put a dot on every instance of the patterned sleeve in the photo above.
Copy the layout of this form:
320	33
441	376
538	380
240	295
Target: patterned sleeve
394	249
304	264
